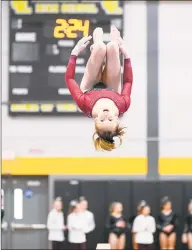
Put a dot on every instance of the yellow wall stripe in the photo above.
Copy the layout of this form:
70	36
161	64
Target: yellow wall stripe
175	166
47	166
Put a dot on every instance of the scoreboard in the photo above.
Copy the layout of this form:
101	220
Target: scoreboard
42	35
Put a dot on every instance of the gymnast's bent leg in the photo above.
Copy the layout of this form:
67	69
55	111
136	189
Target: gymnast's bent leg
94	67
112	72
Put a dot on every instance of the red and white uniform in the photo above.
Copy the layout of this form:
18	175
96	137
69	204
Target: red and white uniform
86	101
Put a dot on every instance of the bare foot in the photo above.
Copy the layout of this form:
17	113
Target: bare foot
115	34
97	37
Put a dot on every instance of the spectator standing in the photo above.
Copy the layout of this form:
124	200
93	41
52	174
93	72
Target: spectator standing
56	226
144	227
131	221
187	232
88	215
167	221
117	226
77	227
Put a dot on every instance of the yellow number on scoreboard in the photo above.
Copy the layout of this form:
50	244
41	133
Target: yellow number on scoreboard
72	28
111	7
69	28
77	25
21	7
84	28
59	31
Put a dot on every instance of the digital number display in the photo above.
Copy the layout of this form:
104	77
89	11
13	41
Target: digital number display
69	28
42	35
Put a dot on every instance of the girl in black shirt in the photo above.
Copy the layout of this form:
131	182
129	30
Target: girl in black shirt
167	225
187	232
117	226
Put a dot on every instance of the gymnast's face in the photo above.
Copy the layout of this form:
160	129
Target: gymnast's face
146	211
118	208
106	121
58	205
84	205
167	206
76	208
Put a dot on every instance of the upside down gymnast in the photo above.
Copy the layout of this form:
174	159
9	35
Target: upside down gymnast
100	94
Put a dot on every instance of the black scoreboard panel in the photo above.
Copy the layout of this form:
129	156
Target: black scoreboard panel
42	35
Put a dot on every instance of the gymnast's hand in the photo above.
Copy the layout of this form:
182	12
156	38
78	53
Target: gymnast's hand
122	47
81	45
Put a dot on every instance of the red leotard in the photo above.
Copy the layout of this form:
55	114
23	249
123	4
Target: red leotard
86	101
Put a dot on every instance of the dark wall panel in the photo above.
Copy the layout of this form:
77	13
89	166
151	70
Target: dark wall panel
120	191
174	190
68	191
187	194
146	191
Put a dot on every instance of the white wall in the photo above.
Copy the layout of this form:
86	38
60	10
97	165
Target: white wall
175	79
72	136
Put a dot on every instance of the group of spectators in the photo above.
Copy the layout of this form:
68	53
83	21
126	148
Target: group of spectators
80	222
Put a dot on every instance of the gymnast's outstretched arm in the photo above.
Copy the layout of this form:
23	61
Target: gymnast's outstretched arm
127	78
70	72
128	73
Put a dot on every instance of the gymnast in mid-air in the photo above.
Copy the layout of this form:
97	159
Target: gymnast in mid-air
101	95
